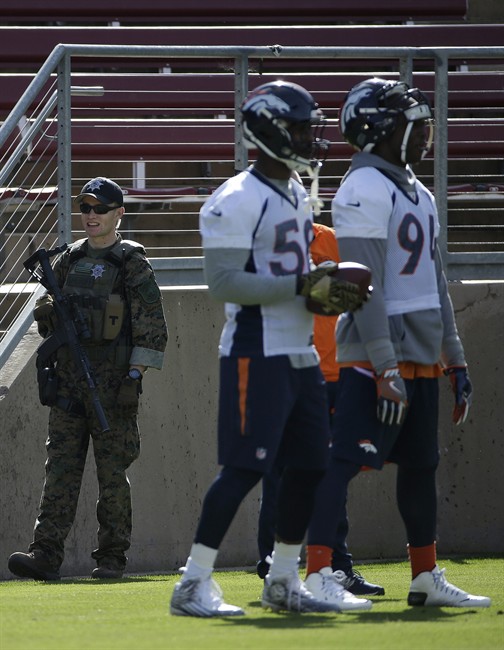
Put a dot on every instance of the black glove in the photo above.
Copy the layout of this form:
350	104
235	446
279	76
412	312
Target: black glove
392	397
129	392
462	389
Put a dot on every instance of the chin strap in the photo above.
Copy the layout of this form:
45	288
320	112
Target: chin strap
314	201
404	144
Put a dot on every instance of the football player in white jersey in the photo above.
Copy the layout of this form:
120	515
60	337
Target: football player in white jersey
256	230
392	351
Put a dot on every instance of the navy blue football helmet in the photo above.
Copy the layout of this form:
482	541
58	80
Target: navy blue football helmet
268	113
371	110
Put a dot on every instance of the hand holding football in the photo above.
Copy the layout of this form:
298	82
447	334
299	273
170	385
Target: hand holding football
356	273
344	287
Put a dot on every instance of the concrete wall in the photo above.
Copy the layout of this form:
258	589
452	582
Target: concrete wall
177	421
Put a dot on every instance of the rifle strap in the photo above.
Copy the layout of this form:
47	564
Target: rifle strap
70	406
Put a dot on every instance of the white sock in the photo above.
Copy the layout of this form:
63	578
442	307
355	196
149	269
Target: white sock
200	562
285	559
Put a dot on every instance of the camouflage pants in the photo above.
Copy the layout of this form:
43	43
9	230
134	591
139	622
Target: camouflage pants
114	451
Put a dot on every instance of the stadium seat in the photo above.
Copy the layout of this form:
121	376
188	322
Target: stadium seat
221	12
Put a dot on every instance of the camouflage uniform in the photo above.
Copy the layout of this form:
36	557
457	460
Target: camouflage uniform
141	341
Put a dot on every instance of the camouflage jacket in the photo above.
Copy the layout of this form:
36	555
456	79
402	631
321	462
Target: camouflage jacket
144	329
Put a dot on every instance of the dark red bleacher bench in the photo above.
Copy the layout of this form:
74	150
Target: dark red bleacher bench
28	47
49	195
208	95
214	140
223	12
491	189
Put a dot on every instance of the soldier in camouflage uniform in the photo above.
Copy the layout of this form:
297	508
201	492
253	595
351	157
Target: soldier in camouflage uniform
112	287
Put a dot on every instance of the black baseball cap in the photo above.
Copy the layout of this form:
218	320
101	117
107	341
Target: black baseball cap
104	190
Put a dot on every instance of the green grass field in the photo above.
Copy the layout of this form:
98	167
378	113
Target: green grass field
85	614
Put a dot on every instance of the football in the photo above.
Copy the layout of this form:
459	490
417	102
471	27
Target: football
357	274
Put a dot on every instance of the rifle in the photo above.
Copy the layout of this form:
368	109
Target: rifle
71	324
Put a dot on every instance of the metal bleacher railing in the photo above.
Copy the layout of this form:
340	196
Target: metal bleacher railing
170	138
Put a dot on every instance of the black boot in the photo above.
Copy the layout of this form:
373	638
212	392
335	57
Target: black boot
33	565
107	573
109	568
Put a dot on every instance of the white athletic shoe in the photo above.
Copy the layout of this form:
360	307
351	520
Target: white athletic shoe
325	587
431	588
195	597
288	593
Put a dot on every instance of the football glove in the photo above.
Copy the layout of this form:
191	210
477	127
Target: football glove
462	389
392	398
329	295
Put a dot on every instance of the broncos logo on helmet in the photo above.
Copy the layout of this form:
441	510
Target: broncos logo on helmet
268	113
349	109
263	102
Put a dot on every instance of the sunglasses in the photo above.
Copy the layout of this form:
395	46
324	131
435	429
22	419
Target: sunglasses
86	208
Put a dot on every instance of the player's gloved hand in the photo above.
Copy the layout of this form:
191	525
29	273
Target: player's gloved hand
392	397
129	392
462	389
334	295
306	282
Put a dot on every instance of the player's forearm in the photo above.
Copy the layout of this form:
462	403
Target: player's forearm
452	353
228	280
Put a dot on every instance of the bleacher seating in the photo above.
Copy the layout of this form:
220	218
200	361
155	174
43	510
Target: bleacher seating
168	122
208	95
204	139
183	105
156	112
222	12
26	48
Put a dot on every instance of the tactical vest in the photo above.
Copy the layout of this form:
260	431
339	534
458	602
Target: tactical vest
96	292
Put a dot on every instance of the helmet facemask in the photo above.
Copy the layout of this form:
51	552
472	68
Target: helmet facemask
413	105
371	111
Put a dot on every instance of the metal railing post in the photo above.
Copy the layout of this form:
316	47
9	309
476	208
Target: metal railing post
441	150
64	151
406	69
241	89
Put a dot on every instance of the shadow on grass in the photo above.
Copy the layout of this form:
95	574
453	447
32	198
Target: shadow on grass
85	580
292	620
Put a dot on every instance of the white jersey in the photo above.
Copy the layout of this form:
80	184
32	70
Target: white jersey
249	213
392	227
411	228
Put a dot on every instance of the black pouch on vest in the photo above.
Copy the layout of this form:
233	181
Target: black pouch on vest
48	386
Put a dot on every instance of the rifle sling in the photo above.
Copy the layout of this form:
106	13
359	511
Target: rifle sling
70	406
